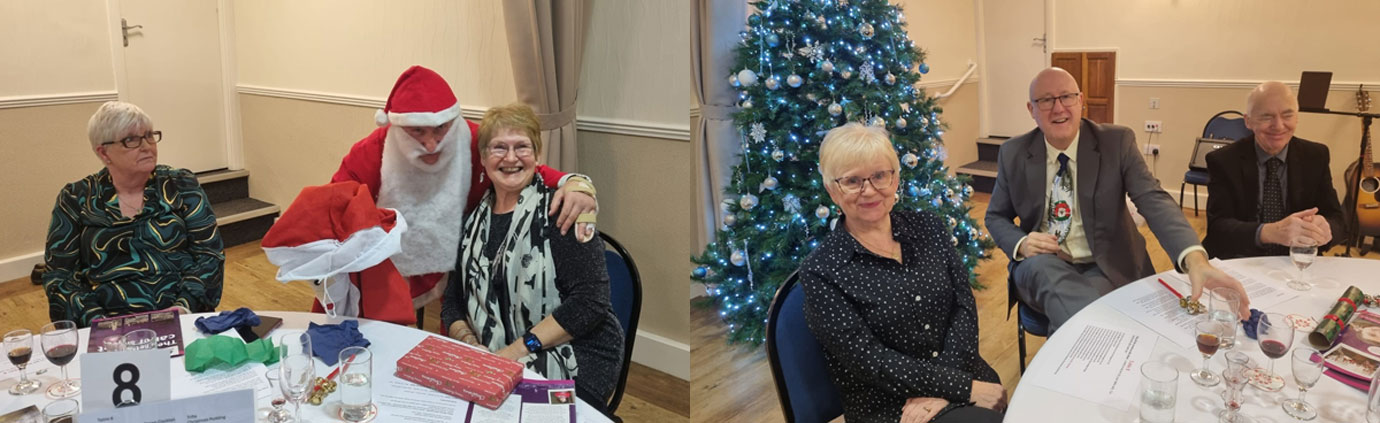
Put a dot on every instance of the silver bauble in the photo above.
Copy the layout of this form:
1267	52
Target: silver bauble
866	31
835	109
822	212
778	155
794	80
773	83
900	123
811	97
747	202
890	78
846	73
827	66
739	259
769	183
733	80
876	121
910	160
730	219
747	77
747	104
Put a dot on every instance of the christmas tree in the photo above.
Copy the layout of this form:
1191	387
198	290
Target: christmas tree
805	67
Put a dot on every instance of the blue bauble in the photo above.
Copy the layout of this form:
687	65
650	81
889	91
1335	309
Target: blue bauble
699	272
773	40
924	68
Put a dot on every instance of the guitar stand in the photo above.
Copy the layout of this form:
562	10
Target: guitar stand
1353	223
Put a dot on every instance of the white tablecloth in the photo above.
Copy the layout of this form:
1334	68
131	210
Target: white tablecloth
388	343
1335	401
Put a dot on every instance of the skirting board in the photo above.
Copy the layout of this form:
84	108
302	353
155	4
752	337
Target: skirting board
663	354
20	266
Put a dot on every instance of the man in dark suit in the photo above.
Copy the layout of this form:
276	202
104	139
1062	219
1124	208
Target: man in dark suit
1067	182
1270	190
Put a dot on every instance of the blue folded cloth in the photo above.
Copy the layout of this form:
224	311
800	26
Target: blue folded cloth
1250	324
227	320
328	340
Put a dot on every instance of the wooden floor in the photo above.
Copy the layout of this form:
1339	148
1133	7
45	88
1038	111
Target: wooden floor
733	384
651	396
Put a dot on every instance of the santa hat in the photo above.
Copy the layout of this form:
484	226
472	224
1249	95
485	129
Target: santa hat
419	98
331	231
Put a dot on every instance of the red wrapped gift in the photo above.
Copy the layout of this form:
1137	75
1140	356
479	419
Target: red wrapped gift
467	373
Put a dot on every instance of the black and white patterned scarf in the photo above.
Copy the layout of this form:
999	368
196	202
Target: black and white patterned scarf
530	286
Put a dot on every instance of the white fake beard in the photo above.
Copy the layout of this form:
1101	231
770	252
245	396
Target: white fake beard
431	198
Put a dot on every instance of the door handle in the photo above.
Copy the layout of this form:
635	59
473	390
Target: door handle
124	30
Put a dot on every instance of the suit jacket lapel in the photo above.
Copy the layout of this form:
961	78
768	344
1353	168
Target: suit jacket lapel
1293	168
1250	175
1089	166
1035	181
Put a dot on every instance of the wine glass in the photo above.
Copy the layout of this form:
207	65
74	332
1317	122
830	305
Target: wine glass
1222	305
19	346
1373	402
61	411
1307	364
1209	337
60	343
1302	252
141	340
1236	374
1275	335
296	370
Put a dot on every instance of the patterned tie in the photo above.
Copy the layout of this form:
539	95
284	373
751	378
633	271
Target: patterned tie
1272	200
1060	214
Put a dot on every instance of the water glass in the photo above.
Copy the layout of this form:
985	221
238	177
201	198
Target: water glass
60	344
1307	364
1373	402
19	347
141	340
356	385
1222	305
61	411
1235	376
296	370
1275	335
1209	335
1302	252
1159	386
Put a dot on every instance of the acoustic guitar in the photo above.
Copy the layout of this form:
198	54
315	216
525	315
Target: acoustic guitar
1365	186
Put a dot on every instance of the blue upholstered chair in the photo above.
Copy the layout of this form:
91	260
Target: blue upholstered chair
803	385
625	286
1027	319
1222	129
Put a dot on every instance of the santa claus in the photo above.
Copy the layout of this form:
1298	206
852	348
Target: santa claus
423	161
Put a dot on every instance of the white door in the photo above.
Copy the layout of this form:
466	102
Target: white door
1014	34
172	70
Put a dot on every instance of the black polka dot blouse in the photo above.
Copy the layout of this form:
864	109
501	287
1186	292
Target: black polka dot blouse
893	331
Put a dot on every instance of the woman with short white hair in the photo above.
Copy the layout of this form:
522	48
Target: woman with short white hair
135	236
888	298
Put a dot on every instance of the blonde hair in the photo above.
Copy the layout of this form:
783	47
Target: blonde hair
516	117
114	118
852	145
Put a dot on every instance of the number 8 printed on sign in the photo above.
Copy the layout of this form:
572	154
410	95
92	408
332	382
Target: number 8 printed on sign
122	386
125	378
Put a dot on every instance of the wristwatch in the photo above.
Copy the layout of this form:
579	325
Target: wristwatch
533	344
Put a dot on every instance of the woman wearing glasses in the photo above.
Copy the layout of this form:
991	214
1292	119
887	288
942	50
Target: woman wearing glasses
135	236
888	298
521	289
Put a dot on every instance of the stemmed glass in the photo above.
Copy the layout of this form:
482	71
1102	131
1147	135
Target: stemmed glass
1238	371
1308	367
1373	402
1222	305
1209	337
296	370
1275	335
19	346
60	343
1302	252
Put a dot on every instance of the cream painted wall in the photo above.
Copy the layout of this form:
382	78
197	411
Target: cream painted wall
1225	39
636	64
43	148
1184	111
961	114
946	30
54	48
291	144
358	47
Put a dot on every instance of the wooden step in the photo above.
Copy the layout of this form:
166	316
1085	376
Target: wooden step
243	220
224	185
983	173
989	148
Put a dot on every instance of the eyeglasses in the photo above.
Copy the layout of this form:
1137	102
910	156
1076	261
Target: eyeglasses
498	150
854	184
135	141
1045	104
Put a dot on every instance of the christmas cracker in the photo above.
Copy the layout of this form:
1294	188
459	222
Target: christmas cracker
1334	322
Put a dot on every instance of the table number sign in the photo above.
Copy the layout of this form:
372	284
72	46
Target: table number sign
233	406
125	378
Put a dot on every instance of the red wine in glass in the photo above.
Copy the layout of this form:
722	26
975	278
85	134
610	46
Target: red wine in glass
61	354
1273	349
19	357
1207	344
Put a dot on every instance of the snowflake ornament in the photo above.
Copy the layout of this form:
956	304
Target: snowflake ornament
867	74
758	132
812	51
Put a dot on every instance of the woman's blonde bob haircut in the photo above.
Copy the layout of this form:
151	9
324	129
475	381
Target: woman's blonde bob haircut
853	145
516	117
112	119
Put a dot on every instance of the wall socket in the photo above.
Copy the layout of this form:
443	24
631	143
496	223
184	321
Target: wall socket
1154	103
1152	149
1153	126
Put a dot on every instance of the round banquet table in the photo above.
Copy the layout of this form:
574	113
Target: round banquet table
1334	400
388	343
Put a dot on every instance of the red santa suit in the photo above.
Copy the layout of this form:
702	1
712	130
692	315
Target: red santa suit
433	198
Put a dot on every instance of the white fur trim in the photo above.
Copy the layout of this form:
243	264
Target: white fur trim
324	258
425	118
432	197
380	118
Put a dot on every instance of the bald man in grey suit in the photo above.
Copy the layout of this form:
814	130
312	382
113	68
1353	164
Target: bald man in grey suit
1067	181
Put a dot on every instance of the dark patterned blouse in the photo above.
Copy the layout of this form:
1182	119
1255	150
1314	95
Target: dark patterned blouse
101	263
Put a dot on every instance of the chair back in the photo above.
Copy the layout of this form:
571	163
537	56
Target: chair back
803	384
1229	125
1201	148
625	293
